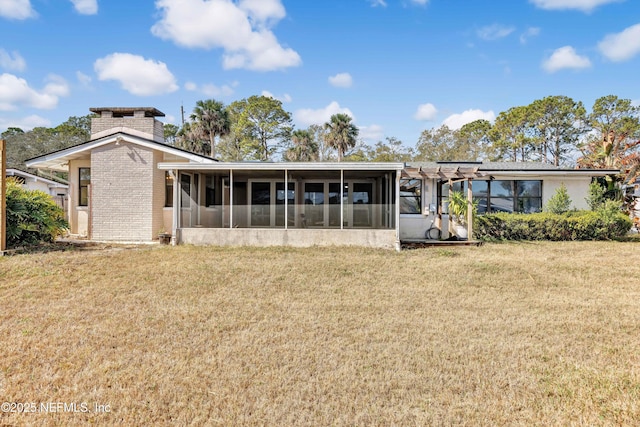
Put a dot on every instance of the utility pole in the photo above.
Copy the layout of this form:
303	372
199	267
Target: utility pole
3	196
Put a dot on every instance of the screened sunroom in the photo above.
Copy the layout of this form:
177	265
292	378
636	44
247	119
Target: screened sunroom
298	204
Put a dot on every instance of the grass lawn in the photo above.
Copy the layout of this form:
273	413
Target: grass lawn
503	334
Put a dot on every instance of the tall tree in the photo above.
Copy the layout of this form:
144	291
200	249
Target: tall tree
171	133
615	142
325	152
23	145
559	122
512	134
475	136
341	134
189	138
303	147
391	151
261	125
442	143
210	120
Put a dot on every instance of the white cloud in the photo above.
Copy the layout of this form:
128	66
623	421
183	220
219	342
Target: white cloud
565	57
56	86
15	93
426	112
86	7
494	32
16	9
284	98
372	133
83	79
242	30
25	123
263	11
210	89
136	75
317	117
341	80
12	61
456	121
420	2
583	5
376	3
530	32
621	46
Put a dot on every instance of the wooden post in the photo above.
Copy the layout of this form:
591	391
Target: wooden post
3	196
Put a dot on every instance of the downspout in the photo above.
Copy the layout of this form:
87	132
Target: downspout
176	208
90	216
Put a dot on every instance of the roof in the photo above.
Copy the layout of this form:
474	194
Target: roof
522	168
57	160
128	111
378	166
53	181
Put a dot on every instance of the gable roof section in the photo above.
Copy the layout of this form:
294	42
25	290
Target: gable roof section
57	160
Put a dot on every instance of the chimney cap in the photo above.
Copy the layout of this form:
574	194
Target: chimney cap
128	111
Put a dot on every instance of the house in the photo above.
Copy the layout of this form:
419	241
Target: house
53	186
56	187
126	184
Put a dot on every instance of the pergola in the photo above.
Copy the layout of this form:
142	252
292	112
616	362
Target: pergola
451	174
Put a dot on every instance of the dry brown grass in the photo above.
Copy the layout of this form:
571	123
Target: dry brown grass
504	334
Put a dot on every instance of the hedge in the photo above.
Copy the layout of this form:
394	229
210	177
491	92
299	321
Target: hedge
574	225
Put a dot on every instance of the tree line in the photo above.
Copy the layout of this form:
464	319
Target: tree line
555	130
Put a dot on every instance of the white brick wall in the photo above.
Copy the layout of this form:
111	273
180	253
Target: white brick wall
149	125
124	178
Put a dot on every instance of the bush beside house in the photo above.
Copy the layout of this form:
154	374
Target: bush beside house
32	216
603	224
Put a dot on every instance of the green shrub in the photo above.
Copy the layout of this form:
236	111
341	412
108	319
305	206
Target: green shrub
560	202
32	216
596	196
604	224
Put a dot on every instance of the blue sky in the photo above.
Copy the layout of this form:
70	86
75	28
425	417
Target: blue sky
396	66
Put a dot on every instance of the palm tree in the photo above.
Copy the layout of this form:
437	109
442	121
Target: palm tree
304	148
341	133
211	120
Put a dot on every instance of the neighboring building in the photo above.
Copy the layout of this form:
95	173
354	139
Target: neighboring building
52	186
127	185
56	187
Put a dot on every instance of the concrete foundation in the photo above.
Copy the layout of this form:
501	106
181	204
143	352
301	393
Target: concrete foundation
293	237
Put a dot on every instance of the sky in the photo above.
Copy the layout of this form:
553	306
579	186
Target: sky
397	67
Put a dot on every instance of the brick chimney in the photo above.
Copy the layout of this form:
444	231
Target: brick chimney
137	121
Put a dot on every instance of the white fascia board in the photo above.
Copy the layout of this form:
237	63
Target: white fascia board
554	173
59	156
269	166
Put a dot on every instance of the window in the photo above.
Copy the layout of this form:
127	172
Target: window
410	196
84	182
168	190
502	195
